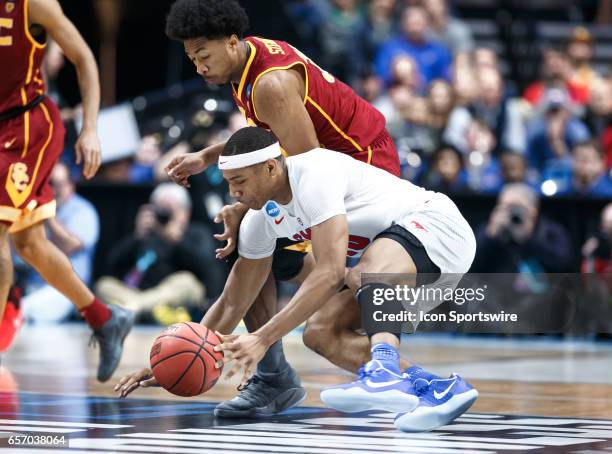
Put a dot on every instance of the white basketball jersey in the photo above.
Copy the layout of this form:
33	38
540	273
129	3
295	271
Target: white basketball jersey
324	184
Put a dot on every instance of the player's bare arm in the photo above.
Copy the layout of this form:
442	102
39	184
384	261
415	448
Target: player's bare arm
183	166
49	14
279	102
329	242
242	287
243	284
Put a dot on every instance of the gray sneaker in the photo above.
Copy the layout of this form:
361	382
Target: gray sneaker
261	398
110	336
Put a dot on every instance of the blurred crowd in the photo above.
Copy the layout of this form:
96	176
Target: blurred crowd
460	128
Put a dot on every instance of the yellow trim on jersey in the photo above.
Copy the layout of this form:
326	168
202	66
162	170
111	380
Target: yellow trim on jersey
30	65
16	196
29	218
246	70
369	154
278	68
8	213
26	26
334	125
26	123
304	247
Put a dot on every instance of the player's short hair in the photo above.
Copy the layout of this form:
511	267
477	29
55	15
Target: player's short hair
210	19
248	139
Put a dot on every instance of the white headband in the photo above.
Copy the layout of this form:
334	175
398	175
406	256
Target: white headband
240	161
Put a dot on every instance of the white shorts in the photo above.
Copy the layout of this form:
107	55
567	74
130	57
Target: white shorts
445	234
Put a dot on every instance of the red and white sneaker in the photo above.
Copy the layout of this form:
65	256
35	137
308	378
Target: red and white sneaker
12	319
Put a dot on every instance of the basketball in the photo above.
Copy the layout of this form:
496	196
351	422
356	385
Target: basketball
183	360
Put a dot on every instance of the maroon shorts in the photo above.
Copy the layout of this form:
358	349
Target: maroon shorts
381	153
30	145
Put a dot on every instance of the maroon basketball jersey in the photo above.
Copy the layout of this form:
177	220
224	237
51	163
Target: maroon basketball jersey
21	80
343	121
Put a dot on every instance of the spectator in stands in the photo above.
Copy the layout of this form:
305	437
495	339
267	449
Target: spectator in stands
590	177
453	32
598	113
514	169
405	71
377	28
441	101
552	137
556	72
580	53
500	113
484	174
337	34
597	250
433	58
416	129
517	238
485	58
465	84
447	174
145	159
166	264
74	230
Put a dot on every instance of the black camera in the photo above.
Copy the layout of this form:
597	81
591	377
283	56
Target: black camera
162	215
518	215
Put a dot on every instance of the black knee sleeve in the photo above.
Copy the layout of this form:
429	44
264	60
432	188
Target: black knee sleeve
376	303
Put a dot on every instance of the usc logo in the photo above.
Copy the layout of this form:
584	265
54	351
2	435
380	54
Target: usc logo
7	23
20	176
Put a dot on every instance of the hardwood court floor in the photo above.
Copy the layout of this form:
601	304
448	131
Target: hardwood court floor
535	377
535	396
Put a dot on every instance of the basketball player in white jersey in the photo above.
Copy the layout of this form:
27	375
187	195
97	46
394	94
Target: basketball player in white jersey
394	226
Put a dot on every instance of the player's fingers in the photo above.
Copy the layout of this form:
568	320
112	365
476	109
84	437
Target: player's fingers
78	152
121	382
222	236
149	382
88	164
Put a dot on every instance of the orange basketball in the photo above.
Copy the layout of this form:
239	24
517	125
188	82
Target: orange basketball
183	359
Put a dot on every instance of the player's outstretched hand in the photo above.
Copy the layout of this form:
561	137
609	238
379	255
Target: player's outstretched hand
230	215
246	350
183	166
142	378
88	151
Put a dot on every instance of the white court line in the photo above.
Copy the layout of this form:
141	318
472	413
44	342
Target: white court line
40	429
62	424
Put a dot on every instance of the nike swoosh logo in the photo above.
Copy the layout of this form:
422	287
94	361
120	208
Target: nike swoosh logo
381	384
8	143
222	162
278	221
441	395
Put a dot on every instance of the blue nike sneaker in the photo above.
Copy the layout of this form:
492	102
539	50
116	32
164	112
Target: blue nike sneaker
441	400
377	388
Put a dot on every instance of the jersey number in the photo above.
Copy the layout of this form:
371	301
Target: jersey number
327	76
6	22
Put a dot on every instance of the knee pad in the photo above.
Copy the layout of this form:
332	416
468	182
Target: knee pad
380	309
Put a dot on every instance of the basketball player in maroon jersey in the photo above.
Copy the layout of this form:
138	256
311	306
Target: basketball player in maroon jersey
278	88
31	142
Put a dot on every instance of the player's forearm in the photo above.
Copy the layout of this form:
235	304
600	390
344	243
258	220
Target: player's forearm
211	154
241	288
89	86
317	289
